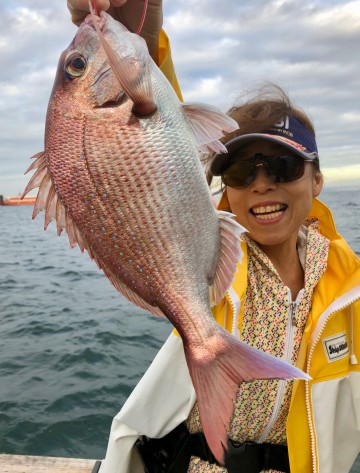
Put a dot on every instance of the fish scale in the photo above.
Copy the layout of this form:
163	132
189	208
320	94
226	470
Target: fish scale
131	191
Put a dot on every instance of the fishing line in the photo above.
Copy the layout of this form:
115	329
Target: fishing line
143	15
95	8
141	24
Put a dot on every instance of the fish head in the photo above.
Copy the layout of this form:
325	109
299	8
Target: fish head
84	80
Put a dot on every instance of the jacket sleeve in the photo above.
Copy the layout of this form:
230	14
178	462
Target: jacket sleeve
166	63
162	400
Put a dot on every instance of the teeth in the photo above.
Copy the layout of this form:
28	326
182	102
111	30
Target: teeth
268	209
268	216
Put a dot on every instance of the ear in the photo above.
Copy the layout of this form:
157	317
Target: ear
318	182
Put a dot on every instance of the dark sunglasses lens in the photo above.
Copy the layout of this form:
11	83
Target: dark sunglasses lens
286	168
239	174
242	172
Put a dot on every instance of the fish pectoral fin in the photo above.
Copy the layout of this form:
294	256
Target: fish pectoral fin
230	255
208	124
131	295
132	69
48	200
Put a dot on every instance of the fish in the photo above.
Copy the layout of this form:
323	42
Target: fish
121	174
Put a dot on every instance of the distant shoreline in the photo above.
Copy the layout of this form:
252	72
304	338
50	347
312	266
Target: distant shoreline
17	200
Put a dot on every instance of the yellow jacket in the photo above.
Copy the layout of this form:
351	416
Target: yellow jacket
165	62
323	428
322	431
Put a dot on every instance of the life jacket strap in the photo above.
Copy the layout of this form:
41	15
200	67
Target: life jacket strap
172	454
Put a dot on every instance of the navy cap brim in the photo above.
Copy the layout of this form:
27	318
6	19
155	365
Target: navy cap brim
237	143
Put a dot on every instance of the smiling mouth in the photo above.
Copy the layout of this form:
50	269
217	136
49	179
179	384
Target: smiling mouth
268	212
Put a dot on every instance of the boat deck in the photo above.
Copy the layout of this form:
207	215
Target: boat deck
34	464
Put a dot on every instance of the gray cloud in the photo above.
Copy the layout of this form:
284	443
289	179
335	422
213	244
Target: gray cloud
309	48
219	48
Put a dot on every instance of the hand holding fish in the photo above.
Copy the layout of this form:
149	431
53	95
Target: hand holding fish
129	13
79	9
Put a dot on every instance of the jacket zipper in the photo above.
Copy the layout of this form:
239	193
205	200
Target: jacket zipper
341	303
287	357
235	304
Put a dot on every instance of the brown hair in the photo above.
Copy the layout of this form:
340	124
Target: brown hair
257	111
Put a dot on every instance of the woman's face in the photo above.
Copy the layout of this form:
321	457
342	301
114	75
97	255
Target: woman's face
274	212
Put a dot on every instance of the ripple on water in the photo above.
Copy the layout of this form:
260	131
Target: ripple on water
72	348
67	438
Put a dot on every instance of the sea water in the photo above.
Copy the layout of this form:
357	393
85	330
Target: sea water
71	347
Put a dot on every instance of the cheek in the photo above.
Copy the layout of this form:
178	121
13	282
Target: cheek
237	206
302	199
233	198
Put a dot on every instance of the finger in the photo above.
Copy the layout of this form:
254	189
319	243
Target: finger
80	8
84	4
130	15
117	3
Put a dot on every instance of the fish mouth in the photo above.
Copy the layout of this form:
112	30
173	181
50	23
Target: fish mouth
101	21
269	211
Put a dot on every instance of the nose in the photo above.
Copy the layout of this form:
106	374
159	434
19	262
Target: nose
262	182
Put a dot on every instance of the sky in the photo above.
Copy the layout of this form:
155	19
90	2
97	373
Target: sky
220	49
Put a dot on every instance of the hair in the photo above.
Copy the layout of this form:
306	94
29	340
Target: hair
257	110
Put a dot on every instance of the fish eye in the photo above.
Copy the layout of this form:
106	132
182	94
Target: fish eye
75	66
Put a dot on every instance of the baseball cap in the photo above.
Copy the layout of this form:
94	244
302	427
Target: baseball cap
290	133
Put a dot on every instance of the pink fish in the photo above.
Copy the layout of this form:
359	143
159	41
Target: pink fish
130	189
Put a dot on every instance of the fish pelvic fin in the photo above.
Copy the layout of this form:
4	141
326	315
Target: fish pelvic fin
208	124
132	69
216	369
230	255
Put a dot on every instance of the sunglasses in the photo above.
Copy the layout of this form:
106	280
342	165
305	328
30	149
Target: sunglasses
242	172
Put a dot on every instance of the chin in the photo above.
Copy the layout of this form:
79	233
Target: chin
267	240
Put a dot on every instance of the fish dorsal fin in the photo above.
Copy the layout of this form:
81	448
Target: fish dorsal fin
230	254
208	124
48	200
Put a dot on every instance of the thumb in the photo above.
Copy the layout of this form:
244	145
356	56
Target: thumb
117	3
80	8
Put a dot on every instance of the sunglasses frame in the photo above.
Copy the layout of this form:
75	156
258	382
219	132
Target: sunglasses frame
261	160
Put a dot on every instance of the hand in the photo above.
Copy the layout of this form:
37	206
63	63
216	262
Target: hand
129	13
80	8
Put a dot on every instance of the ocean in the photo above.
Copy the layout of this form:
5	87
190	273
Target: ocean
71	347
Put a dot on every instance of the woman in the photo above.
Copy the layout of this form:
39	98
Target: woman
296	295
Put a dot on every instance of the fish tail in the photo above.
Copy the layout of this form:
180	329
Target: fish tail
216	370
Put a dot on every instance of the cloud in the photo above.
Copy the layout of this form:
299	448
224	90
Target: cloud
219	49
309	48
342	175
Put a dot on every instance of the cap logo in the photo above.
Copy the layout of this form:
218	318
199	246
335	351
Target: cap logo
285	123
283	127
